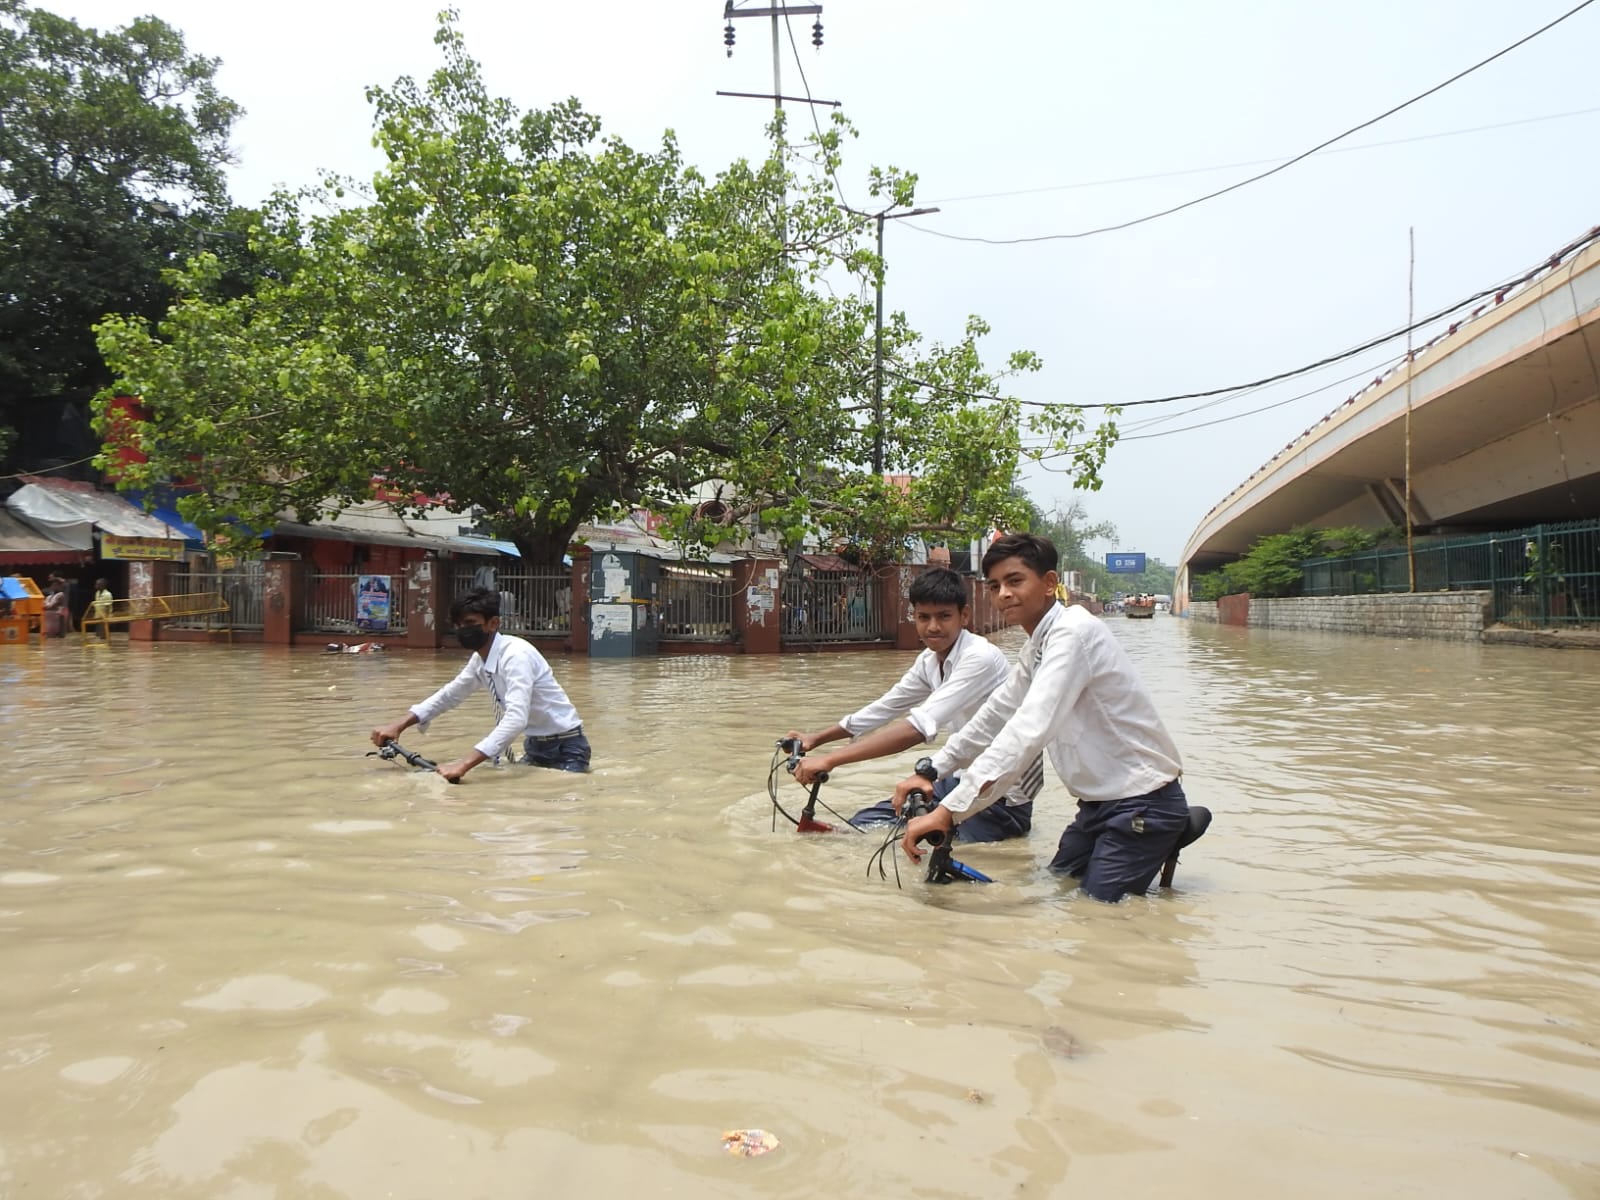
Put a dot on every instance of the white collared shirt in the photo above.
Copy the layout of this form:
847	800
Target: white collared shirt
1075	695
937	697
527	699
940	697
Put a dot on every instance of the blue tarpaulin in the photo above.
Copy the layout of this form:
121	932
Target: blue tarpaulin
12	589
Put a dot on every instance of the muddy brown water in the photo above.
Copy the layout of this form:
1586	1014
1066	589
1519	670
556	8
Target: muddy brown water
241	960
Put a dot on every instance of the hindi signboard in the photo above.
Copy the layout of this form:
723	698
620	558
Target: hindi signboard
141	549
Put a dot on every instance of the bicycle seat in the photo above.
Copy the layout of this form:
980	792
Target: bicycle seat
1199	822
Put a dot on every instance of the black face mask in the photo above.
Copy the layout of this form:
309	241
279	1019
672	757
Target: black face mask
472	637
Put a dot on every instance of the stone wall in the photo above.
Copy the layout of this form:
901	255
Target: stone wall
1444	616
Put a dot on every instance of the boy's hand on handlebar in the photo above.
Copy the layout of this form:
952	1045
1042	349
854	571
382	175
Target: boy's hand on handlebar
937	821
806	740
807	769
911	783
454	771
387	733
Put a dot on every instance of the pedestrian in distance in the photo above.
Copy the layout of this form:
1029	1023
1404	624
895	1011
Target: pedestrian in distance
103	603
947	684
1074	694
527	699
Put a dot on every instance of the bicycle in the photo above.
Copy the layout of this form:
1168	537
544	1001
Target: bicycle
391	750
807	821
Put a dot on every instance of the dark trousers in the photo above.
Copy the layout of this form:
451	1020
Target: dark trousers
994	824
1115	847
561	752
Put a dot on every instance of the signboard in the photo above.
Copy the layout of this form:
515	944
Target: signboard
1125	564
141	549
372	603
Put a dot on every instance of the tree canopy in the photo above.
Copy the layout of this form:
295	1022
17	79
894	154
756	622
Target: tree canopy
523	315
106	140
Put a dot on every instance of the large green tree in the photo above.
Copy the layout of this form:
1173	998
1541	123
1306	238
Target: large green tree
522	315
111	149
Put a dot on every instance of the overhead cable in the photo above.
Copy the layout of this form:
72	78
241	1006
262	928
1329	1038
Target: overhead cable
1498	291
1283	166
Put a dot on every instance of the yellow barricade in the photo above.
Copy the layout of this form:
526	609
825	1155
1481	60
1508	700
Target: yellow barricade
155	608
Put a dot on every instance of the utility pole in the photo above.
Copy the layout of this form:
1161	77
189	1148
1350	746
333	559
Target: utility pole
877	354
777	12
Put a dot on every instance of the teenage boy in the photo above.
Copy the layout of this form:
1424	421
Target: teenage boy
1073	694
527	698
948	682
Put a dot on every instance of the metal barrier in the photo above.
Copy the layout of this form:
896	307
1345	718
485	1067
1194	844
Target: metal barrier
1545	575
830	606
331	603
242	587
154	608
696	605
538	602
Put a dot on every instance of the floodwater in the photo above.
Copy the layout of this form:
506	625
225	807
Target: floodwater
241	960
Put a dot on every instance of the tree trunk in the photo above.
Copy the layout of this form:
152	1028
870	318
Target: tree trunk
541	545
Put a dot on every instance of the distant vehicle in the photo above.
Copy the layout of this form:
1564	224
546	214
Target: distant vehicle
1143	606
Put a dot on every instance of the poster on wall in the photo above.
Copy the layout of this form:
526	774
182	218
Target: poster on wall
372	603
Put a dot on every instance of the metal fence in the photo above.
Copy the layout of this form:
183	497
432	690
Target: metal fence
531	603
830	606
242	587
331	602
696	605
1546	575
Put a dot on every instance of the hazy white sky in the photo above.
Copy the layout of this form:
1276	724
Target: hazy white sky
1058	100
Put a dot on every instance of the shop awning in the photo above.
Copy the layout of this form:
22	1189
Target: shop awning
22	544
72	512
335	531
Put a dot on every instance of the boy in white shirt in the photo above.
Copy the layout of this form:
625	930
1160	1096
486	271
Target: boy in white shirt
1074	694
527	698
945	686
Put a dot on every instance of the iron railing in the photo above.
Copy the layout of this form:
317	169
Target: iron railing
830	606
331	602
241	588
1544	575
535	602
696	605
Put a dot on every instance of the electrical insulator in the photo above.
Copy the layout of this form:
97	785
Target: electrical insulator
727	38
816	34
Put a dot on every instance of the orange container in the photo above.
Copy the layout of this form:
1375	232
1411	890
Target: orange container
13	629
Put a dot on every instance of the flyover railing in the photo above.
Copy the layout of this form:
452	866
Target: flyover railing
1545	575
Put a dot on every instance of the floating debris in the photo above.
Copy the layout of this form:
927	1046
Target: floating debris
1058	1041
747	1143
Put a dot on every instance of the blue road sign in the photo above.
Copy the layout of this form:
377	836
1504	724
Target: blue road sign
1125	564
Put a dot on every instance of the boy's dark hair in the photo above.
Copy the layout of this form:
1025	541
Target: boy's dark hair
1037	552
938	585
479	600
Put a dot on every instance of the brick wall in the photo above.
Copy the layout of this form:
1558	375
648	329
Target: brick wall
1443	616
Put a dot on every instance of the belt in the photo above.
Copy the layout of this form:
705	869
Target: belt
556	737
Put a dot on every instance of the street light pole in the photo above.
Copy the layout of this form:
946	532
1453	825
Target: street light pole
877	355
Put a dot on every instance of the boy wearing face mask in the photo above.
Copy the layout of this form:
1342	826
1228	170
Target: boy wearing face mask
527	698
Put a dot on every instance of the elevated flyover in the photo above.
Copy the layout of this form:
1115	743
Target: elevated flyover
1505	429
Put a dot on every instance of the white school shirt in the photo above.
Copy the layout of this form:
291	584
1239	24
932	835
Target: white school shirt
527	699
1075	695
939	697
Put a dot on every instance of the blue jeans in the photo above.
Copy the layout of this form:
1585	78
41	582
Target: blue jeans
1115	847
567	751
994	824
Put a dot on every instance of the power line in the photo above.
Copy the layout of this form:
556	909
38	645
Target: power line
1498	291
1256	162
812	108
1283	166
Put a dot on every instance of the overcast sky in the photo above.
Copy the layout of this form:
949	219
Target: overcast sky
1088	114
